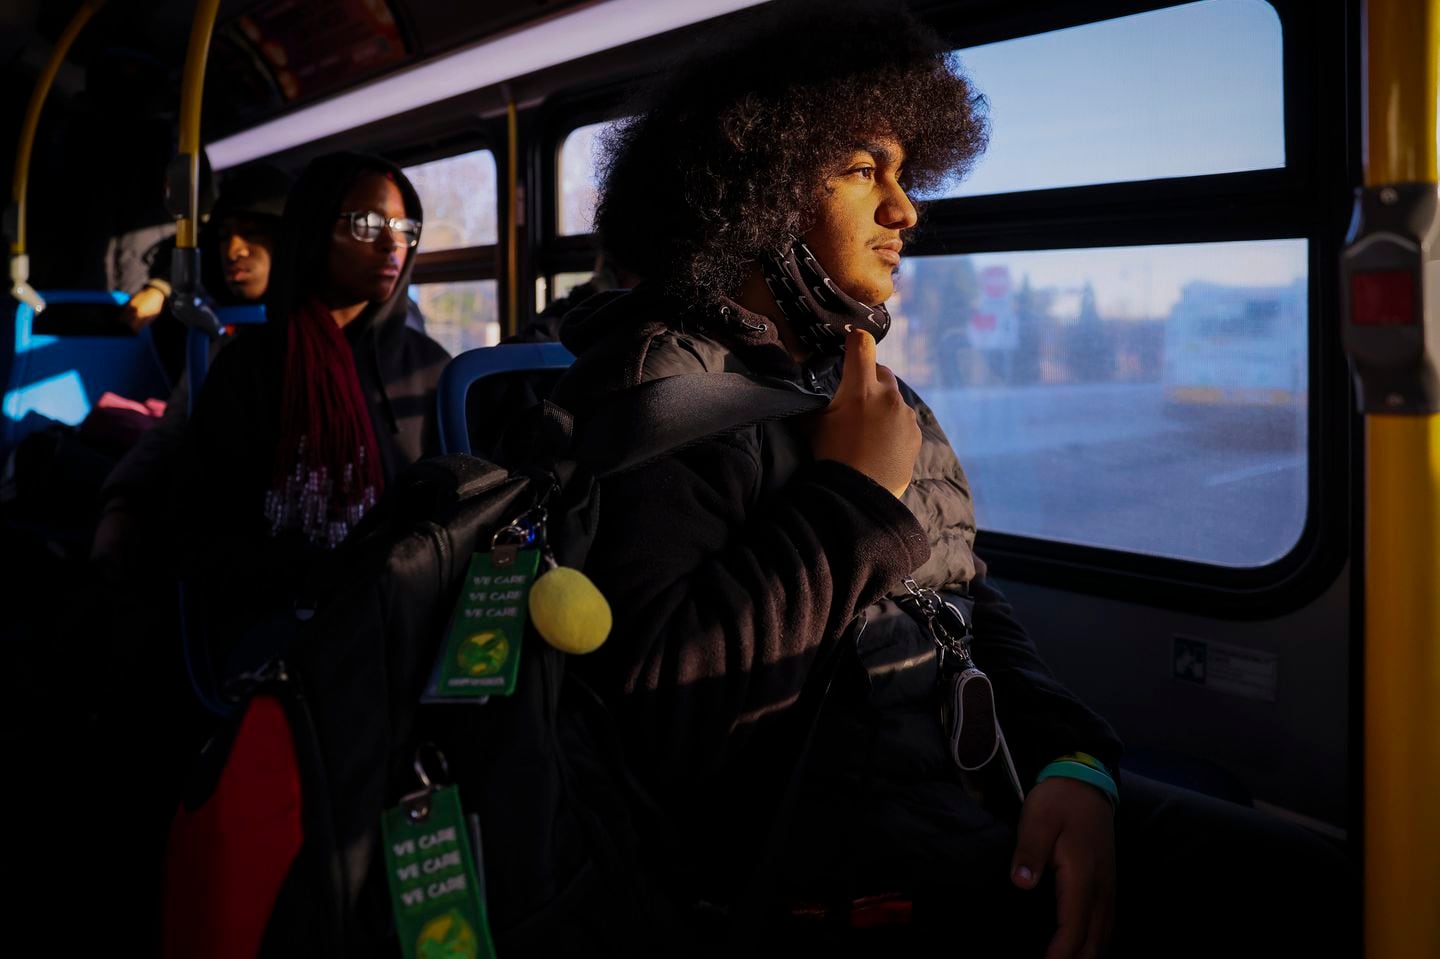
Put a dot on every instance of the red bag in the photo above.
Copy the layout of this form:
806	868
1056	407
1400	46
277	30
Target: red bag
228	857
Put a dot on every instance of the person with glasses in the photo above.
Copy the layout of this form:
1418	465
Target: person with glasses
300	426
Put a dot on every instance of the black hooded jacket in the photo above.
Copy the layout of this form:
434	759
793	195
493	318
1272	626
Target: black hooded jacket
730	565
231	440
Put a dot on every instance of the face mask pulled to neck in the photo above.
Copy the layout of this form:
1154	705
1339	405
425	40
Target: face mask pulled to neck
817	310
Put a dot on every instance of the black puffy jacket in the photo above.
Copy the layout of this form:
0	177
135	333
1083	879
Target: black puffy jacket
731	564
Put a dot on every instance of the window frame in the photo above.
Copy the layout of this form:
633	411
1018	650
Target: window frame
1307	198
469	263
499	293
552	221
552	252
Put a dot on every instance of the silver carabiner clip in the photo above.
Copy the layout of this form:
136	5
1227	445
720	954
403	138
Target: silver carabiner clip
417	804
526	530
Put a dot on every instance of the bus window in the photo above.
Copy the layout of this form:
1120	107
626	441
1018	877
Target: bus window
461	201
563	284
578	178
460	316
1151	399
1185	91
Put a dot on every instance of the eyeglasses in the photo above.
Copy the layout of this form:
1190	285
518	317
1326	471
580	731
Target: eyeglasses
365	226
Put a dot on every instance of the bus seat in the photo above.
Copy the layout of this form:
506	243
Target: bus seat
1188	772
197	342
456	410
56	365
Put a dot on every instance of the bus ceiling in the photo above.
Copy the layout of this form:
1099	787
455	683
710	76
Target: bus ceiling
312	65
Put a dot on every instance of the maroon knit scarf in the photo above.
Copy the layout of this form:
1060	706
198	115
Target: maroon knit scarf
327	467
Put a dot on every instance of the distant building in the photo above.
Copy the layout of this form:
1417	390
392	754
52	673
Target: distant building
1237	346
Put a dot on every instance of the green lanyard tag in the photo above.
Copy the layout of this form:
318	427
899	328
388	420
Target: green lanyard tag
435	889
481	657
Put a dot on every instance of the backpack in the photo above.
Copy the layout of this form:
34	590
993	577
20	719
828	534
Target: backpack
276	850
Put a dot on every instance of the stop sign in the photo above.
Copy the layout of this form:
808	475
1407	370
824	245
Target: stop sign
995	282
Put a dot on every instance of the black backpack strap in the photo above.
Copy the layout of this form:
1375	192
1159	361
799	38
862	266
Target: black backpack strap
639	425
636	426
748	912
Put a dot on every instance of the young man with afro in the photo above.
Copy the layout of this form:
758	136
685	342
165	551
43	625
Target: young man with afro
763	191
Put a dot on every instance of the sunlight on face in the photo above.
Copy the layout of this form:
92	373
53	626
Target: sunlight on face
862	213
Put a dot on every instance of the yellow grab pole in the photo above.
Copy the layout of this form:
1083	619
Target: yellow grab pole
186	301
1400	64
196	55
1402	686
512	227
19	258
1402	548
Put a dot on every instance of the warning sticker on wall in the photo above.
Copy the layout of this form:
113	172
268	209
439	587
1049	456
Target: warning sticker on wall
1225	668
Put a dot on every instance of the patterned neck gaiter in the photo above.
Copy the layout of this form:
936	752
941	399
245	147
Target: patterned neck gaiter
819	312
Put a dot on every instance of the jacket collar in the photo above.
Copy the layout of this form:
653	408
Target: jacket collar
618	323
756	342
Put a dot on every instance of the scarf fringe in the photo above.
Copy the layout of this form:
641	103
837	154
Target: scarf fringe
325	433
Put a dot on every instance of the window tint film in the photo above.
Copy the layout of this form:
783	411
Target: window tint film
460	200
1150	399
1185	91
460	316
577	169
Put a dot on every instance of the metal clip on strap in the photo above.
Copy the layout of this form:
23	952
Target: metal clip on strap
526	530
417	805
947	625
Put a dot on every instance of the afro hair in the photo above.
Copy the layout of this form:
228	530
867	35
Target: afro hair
727	155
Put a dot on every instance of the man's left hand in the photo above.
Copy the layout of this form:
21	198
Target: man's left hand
1070	826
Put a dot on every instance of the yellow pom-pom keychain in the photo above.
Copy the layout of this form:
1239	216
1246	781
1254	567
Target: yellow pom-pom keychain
568	611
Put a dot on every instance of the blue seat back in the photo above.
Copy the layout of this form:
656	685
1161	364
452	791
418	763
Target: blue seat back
58	377
465	370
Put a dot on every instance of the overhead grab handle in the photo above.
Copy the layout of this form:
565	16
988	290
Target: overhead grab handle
20	287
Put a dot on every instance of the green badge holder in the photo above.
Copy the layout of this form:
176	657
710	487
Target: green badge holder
436	890
481	655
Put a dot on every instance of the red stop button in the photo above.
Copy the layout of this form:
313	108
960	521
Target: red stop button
1383	298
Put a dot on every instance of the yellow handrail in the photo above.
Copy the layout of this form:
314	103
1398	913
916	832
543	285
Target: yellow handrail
19	260
196	55
1400	63
1402	686
1402	548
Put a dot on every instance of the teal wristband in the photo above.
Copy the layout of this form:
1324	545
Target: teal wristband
1070	769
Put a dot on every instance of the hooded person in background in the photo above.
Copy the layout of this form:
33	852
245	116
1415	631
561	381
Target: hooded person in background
300	425
238	244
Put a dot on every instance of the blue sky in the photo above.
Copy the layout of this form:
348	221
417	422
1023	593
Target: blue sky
1187	90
